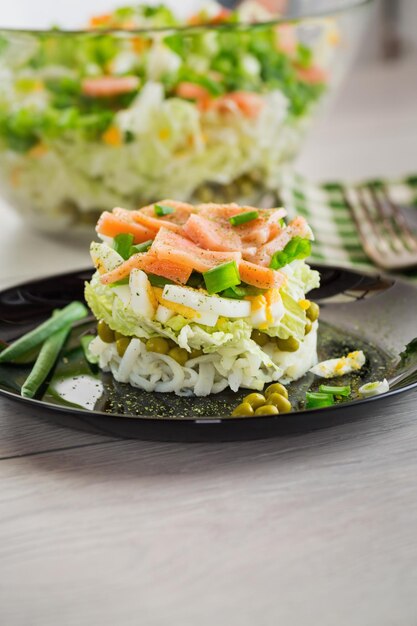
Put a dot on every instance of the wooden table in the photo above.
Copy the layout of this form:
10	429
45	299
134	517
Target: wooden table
311	529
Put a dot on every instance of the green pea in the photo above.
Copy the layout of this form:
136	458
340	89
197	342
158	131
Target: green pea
118	335
180	355
267	409
308	327
122	344
254	399
260	338
276	388
243	410
158	345
287	345
105	333
171	343
313	311
194	354
283	404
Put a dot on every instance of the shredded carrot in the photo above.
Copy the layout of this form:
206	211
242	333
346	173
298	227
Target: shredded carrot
112	136
100	20
38	150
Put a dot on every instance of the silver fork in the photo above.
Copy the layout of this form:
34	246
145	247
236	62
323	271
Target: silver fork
383	230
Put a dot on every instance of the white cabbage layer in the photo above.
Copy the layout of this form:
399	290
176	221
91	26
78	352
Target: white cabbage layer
209	373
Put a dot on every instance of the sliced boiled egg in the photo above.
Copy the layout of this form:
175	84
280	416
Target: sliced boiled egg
207	318
194	299
341	366
163	315
267	309
104	257
142	299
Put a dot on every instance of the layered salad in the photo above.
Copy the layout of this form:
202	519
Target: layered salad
194	299
143	104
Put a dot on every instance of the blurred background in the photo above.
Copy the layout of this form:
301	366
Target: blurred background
367	128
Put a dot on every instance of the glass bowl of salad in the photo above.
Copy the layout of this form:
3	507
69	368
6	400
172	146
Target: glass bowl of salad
142	103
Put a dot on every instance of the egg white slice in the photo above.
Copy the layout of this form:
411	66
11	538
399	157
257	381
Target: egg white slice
206	304
341	366
206	319
141	295
163	314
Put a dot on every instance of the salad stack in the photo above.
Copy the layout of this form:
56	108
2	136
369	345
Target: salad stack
194	299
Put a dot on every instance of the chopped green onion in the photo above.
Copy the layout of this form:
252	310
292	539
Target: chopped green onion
318	400
162	209
335	391
44	363
66	316
242	218
374	388
85	345
296	248
159	281
235	292
119	283
141	247
221	277
122	244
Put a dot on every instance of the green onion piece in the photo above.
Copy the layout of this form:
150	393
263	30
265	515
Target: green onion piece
335	391
162	209
221	277
66	316
235	292
85	345
119	283
296	248
238	292
122	243
44	363
242	218
159	281
141	247
318	400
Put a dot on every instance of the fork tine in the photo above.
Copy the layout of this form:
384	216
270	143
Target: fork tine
368	228
409	238
385	219
389	242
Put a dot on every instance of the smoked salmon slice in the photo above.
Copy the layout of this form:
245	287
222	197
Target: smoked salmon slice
112	224
211	235
173	247
108	86
259	276
152	265
297	227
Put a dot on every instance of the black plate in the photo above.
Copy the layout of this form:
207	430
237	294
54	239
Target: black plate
358	311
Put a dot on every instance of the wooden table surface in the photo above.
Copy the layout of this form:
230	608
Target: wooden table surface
311	529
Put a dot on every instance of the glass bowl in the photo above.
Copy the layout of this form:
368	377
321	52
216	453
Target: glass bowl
143	105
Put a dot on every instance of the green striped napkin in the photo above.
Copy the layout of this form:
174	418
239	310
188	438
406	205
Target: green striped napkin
324	206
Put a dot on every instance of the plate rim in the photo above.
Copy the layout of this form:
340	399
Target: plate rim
207	421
